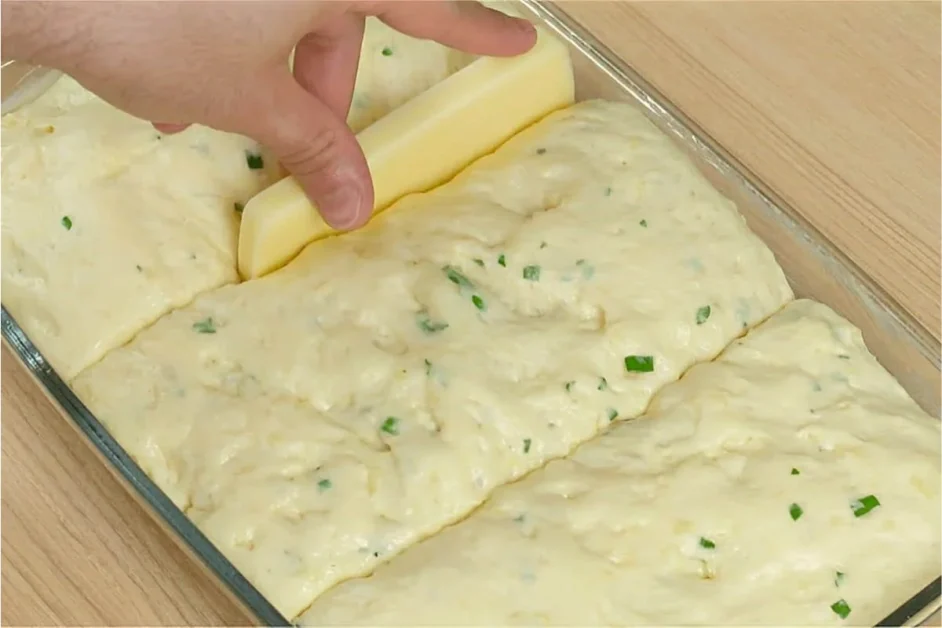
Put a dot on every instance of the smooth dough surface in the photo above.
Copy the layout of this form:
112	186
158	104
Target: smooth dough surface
107	224
730	502
386	381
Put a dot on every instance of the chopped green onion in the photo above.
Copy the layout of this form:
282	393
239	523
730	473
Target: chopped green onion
501	260
864	505
842	608
569	386
540	151
531	273
643	223
703	314
205	326
238	207
795	471
479	303
479	262
391	426
254	160
324	484
587	270
608	191
387	51
843	356
526	445
838	578
612	414
639	363
67	223
795	511
427	325
707	543
603	383
428	367
455	276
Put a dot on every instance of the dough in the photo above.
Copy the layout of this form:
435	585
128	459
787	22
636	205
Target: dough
107	225
730	502
320	420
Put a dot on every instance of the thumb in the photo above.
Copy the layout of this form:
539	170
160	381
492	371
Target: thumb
316	147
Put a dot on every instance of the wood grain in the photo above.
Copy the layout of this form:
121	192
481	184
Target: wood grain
77	549
835	105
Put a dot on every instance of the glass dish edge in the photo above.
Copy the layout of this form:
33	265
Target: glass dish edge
913	612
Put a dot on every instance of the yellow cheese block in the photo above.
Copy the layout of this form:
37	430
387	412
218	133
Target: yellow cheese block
419	146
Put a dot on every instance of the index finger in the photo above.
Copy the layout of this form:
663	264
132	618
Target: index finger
465	25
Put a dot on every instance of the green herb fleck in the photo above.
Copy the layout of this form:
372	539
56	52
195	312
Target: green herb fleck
324	484
67	223
608	191
479	262
864	505
639	363
205	326
427	325
795	471
603	383
238	207
531	273
703	314
526	445
139	268
387	51
842	608
542	245
254	160
612	414
569	386
479	303
587	270
795	511
540	151
707	543
455	276
838	578
643	223
428	367
520	518
501	260
390	426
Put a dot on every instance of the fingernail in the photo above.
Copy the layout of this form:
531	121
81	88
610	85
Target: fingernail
341	206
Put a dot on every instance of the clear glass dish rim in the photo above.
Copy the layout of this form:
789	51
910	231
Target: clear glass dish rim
922	604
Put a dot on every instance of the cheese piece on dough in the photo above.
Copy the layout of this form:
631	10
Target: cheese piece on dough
419	145
153	219
731	502
381	385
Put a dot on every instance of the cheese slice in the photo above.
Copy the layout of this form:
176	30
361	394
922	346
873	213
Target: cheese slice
419	145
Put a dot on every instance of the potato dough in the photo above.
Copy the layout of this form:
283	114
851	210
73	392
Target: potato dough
318	421
731	502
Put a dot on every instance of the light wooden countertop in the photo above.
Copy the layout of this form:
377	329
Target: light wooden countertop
835	105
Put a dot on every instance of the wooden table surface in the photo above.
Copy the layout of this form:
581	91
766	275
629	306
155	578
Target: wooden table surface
835	105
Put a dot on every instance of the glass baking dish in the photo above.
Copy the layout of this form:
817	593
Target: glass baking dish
815	267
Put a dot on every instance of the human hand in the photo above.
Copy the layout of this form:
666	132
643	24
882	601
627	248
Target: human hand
225	65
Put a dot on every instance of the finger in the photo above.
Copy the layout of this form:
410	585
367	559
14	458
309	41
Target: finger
168	128
325	62
314	145
467	26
